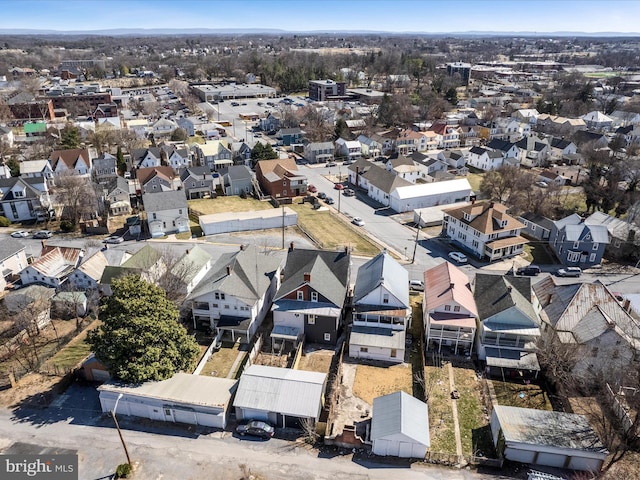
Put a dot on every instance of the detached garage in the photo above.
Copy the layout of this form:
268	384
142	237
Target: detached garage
540	437
400	426
183	398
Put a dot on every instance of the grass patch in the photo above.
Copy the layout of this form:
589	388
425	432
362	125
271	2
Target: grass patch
221	361
332	232
316	361
470	415
183	235
574	202
475	179
372	382
227	204
535	252
441	426
74	352
533	396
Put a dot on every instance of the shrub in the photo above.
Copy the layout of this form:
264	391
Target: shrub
67	226
4	222
123	470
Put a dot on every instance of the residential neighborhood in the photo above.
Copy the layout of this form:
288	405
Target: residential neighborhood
415	254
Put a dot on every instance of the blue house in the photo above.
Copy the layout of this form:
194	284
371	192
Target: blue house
289	136
577	244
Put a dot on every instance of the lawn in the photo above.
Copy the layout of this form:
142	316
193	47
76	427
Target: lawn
74	352
372	382
441	426
332	232
573	202
222	360
518	394
536	252
471	418
475	179
318	361
227	204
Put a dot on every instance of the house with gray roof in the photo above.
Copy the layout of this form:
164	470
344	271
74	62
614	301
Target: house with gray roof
319	152
624	236
147	262
400	426
145	157
117	196
235	294
380	182
237	179
312	294
485	159
33	301
382	311
21	199
104	168
577	244
508	325
167	212
12	259
281	396
536	226
197	182
88	274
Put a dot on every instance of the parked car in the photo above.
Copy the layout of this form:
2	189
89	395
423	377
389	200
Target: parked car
312	188
20	234
235	104
569	272
542	184
349	192
329	201
338	186
416	285
256	428
331	164
322	195
358	221
458	257
531	270
43	234
113	239
348	162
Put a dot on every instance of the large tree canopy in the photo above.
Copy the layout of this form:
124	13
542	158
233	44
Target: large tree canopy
140	338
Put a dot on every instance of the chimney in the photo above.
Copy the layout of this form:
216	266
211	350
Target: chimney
346	249
451	285
491	204
229	269
307	276
44	243
509	288
291	247
627	305
241	248
473	200
188	251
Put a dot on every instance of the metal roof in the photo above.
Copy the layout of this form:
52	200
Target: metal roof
183	388
446	283
400	413
378	337
553	429
384	270
296	393
434	188
506	358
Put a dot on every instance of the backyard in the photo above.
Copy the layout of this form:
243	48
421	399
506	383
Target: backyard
441	424
521	394
375	381
316	360
222	204
220	363
72	354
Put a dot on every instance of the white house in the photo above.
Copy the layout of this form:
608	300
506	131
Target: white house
77	159
53	267
319	152
369	147
12	259
87	275
145	157
22	198
36	168
349	149
167	212
484	159
214	154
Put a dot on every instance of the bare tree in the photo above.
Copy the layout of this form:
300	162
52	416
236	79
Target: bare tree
77	196
308	426
180	269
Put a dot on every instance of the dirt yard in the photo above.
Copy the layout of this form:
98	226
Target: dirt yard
375	381
29	386
316	360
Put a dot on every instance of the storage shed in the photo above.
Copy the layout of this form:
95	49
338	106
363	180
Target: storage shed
400	426
540	437
183	398
281	396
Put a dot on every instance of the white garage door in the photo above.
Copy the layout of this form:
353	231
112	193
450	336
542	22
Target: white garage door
250	414
184	416
522	456
406	449
551	459
588	464
208	420
138	409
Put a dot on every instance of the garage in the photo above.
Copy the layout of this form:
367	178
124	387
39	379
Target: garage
540	437
400	426
183	398
245	221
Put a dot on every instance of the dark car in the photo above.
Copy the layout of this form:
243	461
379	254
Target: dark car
256	428
329	201
322	195
531	270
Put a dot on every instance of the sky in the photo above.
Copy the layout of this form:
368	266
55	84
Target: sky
428	16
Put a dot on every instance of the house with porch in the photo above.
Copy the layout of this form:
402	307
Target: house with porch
167	212
319	152
117	196
235	294
214	154
381	310
156	179
369	147
450	314
350	150
197	182
23	199
237	180
312	294
508	327
484	229
280	178
576	243
484	159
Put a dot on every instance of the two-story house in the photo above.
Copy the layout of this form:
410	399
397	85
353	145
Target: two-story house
146	157
280	178
117	196
237	180
214	154
624	236
350	150
197	182
148	262
484	159
235	295
78	160
369	147
88	274
156	179
449	310
177	157
533	151
319	152
21	199
167	212
163	128
508	149
485	230
104	168
559	147
289	136
12	260
508	328
53	267
381	310
577	244
406	168
36	168
312	294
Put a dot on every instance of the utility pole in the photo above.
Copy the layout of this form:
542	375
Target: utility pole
115	420
415	245
283	227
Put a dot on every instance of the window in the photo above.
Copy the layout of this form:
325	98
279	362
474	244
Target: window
314	296
154	216
595	246
214	305
592	257
394	353
300	295
456	308
327	337
594	352
216	296
226	307
364	349
447	308
385	298
180	212
576	244
222	296
573	256
311	319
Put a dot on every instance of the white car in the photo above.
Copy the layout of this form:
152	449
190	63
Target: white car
113	240
458	257
358	221
20	234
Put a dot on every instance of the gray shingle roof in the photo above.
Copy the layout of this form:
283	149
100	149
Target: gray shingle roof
496	293
384	179
157	202
8	247
400	413
382	270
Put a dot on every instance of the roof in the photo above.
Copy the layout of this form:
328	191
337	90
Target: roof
379	337
329	273
69	157
268	166
617	228
400	413
502	145
190	264
485	217
446	283
382	270
249	277
239	172
93	266
552	429
145	258
169	200
539	220
296	393
9	247
183	388
596	116
57	262
70	297
33	166
383	179
18	300
496	293
574	233
143	175
560	143
433	188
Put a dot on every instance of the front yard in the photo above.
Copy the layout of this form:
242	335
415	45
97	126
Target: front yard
375	381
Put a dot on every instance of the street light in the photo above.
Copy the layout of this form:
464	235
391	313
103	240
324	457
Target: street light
115	420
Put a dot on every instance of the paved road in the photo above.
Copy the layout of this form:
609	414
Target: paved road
164	451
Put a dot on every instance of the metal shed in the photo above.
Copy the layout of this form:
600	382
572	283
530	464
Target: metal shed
400	426
540	437
183	398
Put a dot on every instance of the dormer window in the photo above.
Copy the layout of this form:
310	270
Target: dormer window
467	217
